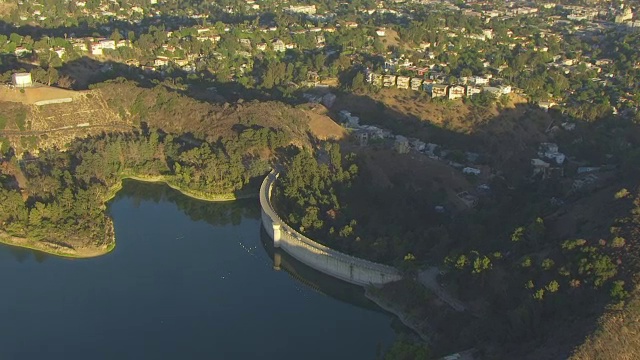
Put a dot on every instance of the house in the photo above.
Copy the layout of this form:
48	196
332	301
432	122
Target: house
278	45
21	51
505	89
161	61
245	42
261	46
471	171
21	80
456	92
540	167
402	82
96	50
401	145
588	169
417	144
439	90
388	80
473	90
468	199
328	100
181	62
303	9
381	32
60	52
376	79
349	120
427	85
479	81
416	84
80	46
376	132
362	136
107	44
550	151
546	105
430	149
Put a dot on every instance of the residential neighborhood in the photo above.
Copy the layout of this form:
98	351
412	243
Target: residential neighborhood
460	177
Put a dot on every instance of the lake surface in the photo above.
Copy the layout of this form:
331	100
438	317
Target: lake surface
187	280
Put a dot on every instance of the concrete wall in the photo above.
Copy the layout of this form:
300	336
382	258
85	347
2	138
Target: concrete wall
53	101
322	258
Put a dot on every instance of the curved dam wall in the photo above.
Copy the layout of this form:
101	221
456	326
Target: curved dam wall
320	257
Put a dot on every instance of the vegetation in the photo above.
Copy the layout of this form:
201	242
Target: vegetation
67	190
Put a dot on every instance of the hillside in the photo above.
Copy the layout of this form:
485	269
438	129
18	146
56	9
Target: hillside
510	132
171	111
27	126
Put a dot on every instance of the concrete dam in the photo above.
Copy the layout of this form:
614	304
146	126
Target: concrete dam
315	255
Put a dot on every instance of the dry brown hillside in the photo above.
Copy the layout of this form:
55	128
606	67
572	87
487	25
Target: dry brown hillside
173	112
117	107
29	127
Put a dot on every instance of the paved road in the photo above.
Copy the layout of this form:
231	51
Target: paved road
428	278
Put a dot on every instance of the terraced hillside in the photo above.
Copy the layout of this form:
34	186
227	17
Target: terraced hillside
30	127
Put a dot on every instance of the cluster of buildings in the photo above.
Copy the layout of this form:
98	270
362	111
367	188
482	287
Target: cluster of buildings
468	86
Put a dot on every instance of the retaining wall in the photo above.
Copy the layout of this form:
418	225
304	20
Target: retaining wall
53	101
320	257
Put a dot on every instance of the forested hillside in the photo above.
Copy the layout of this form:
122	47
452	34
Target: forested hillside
56	201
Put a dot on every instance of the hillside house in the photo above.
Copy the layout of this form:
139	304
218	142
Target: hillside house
540	167
492	90
473	90
439	90
278	45
362	137
471	171
427	85
401	145
479	81
376	79
19	51
389	80
402	82
416	84
551	151
161	61
303	9
546	105
505	89
456	92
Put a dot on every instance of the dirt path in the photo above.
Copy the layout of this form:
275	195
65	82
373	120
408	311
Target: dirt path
66	128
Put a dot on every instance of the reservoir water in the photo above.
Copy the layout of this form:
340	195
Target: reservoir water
187	280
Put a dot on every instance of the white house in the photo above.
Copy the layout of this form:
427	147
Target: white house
456	92
278	45
21	80
471	171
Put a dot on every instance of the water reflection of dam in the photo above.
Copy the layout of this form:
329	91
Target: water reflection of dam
315	279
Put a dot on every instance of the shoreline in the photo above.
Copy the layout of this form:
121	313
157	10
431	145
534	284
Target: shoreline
398	313
87	253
